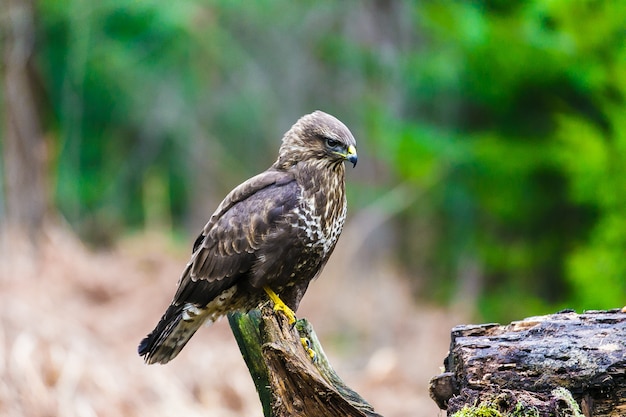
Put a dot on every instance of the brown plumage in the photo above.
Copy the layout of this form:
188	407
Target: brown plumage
275	231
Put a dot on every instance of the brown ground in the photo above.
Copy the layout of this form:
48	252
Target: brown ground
70	324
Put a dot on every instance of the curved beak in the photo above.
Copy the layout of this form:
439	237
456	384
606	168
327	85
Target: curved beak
351	156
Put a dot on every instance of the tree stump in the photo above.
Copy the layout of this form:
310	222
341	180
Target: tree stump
290	382
564	364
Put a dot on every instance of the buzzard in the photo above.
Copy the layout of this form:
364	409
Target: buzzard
270	236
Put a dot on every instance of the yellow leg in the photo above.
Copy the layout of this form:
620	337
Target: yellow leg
280	306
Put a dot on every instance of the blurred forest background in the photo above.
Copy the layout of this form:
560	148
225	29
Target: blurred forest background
491	134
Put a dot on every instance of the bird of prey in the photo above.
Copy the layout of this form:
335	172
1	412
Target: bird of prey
270	236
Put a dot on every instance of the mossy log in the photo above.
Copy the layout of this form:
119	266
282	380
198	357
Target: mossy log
289	382
530	367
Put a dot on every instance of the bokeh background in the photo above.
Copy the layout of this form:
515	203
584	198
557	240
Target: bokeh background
491	182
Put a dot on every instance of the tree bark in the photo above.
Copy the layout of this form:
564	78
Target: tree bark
24	150
555	365
288	380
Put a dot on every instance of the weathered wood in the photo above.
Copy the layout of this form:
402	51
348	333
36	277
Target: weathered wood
531	366
245	328
288	380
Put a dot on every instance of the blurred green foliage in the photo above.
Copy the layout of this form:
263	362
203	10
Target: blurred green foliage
507	116
535	187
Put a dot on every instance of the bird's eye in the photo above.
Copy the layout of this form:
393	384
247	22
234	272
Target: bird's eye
332	143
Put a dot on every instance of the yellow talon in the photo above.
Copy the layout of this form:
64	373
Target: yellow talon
306	343
279	305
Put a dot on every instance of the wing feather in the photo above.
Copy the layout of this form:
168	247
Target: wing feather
226	250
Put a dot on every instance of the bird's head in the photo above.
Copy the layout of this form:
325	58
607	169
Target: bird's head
320	138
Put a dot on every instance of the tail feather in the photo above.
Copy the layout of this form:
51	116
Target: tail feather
171	334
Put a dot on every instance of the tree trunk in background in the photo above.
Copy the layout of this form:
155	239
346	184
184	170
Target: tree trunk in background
24	148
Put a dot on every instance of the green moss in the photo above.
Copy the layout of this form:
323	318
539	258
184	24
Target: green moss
491	409
483	410
522	410
500	406
563	395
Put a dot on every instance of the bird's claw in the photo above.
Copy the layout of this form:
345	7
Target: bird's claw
279	305
306	343
282	307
